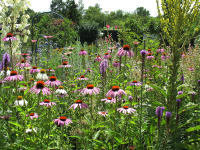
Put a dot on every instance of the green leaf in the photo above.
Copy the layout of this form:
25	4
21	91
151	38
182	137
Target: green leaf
159	89
15	124
193	128
96	135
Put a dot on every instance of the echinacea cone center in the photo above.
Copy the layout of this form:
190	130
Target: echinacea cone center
126	47
40	85
109	98
90	86
9	35
31	114
61	87
65	63
125	107
34	67
13	73
52	78
63	118
42	71
115	88
46	101
78	101
82	76
19	98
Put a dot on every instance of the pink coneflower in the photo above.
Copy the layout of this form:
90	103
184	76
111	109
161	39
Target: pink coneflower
82	77
115	91
70	48
34	70
109	100
50	70
33	115
9	37
126	110
40	86
64	65
149	56
125	51
14	77
160	51
164	56
190	69
116	64
61	92
23	64
48	36
107	56
90	89
98	58
61	121
53	82
24	55
33	41
80	104
135	83
83	52
103	113
47	103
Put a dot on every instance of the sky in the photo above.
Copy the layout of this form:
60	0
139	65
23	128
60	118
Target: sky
106	5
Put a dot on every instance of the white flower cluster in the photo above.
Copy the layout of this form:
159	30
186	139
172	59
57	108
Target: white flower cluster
10	23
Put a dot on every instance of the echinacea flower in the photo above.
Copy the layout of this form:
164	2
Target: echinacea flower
90	89
24	55
9	37
14	77
61	92
98	58
164	56
33	41
20	101
42	75
149	56
53	82
23	64
40	86
125	51
126	110
34	70
47	103
83	52
160	51
107	56
115	91
109	100
103	113
190	69
61	121
116	64
65	64
32	115
82	77
135	83
80	104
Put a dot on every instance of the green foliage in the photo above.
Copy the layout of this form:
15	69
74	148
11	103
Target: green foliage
88	32
61	30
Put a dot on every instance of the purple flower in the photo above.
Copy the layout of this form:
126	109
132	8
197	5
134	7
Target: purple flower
40	87
178	102
9	37
115	91
47	103
5	61
32	115
180	92
83	52
126	110
159	112
90	89
130	98
103	66
168	116
14	77
143	52
80	104
62	121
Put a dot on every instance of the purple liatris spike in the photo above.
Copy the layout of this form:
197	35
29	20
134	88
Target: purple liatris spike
143	52
159	111
5	61
168	116
178	102
103	66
